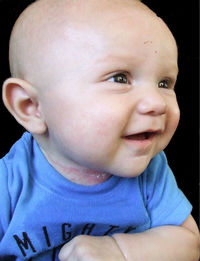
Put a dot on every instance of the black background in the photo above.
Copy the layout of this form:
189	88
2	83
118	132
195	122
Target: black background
183	151
182	18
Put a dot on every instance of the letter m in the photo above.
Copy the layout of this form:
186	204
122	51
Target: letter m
25	243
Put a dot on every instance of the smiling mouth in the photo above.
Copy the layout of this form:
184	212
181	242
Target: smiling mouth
141	136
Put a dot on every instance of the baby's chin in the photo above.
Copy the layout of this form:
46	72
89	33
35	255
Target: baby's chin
129	172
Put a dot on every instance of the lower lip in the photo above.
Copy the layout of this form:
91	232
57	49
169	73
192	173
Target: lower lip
141	143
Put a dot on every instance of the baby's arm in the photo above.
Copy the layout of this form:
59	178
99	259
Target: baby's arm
166	243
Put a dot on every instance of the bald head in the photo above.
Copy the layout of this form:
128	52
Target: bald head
71	55
44	23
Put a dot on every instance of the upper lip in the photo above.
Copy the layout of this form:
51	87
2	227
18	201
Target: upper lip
147	131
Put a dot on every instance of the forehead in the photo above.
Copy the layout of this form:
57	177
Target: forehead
50	17
97	21
50	30
121	27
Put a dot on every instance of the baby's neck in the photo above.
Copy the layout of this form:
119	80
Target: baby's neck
78	174
83	176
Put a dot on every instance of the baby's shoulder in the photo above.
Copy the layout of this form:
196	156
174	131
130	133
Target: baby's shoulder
16	161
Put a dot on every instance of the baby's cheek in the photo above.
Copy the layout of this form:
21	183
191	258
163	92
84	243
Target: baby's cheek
101	135
103	128
171	124
174	118
108	123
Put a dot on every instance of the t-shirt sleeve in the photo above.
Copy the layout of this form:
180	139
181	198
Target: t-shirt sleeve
165	202
5	204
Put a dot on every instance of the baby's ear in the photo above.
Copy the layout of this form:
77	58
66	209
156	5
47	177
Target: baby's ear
21	100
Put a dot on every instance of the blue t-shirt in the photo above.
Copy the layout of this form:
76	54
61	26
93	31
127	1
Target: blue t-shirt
40	210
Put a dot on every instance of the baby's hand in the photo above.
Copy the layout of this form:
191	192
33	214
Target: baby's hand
89	248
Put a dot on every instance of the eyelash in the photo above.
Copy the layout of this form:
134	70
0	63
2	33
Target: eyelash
120	78
164	84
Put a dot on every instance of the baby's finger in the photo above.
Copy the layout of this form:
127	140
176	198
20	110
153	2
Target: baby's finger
66	252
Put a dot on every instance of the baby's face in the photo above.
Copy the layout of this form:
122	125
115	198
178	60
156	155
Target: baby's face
111	105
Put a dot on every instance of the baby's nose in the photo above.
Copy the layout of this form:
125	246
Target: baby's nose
152	103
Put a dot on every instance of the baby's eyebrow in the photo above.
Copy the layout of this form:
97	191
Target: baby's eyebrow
119	59
112	56
126	61
171	69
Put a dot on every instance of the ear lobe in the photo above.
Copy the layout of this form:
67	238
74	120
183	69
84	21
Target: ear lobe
21	100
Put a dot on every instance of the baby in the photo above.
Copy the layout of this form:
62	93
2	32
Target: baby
93	84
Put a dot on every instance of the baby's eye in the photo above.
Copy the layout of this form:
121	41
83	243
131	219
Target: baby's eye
163	84
119	78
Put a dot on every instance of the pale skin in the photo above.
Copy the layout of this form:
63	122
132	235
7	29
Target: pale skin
84	67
